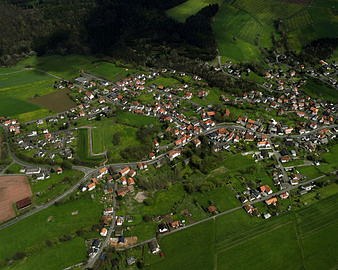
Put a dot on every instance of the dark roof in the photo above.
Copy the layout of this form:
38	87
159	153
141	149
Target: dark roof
23	203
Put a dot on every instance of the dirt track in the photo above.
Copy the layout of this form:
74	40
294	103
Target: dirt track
12	189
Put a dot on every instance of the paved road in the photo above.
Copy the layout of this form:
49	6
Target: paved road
92	260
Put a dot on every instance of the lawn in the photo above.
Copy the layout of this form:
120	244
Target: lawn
189	8
50	224
316	89
307	238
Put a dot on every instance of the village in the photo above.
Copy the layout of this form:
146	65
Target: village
284	129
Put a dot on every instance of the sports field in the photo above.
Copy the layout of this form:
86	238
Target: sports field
304	239
12	189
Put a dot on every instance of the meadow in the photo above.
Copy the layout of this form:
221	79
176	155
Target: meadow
237	241
189	8
243	27
52	224
317	89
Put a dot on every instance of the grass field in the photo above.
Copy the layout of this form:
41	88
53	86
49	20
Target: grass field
316	89
48	189
30	235
56	257
298	240
125	124
189	8
243	27
317	20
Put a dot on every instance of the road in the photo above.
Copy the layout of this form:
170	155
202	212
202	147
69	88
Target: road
92	260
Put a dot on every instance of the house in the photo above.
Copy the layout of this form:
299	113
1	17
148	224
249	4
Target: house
23	203
89	95
91	186
154	246
103	171
104	232
175	224
249	208
267	216
31	171
284	195
108	211
142	166
265	189
124	171
131	181
173	154
196	142
212	209
122	191
59	170
294	182
132	173
163	228
272	200
285	159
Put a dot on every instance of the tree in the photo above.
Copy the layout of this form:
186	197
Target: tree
116	138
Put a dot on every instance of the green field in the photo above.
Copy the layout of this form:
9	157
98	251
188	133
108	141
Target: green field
31	234
189	8
317	89
48	189
315	21
243	27
109	70
298	240
56	257
124	124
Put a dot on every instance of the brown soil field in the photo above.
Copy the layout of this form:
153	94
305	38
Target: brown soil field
12	189
58	101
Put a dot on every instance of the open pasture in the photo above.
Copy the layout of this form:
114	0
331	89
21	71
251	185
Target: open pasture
12	189
50	224
307	238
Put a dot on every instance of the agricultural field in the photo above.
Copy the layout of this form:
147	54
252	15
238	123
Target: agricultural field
243	27
57	101
189	8
52	230
316	20
12	189
304	237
